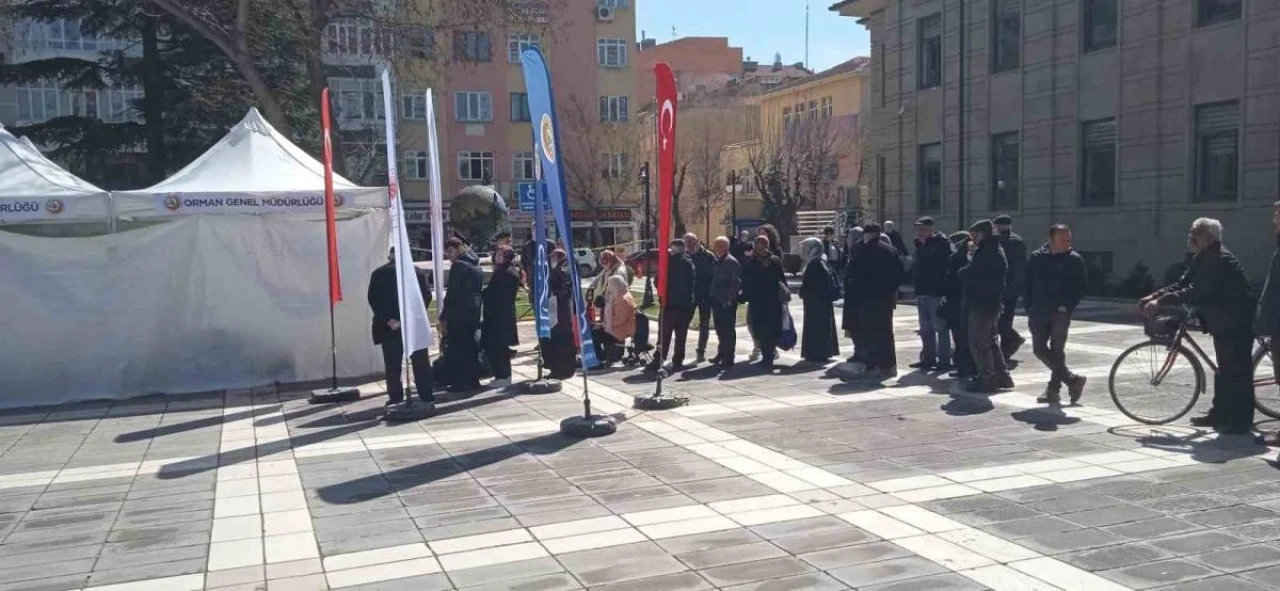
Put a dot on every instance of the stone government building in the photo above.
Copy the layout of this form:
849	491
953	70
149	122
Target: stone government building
1125	118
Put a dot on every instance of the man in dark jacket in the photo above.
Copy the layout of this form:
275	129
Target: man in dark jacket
983	281
726	288
852	293
933	249
1218	288
384	301
460	316
1055	284
877	271
704	264
740	246
1015	252
953	311
677	306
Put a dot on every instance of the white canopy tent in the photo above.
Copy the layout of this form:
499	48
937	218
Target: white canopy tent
228	290
35	190
254	170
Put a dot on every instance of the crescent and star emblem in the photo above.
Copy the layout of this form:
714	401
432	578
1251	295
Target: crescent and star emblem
666	122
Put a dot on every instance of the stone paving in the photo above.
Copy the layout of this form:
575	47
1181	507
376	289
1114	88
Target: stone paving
792	480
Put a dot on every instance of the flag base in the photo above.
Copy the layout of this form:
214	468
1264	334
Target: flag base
658	402
540	387
588	426
332	395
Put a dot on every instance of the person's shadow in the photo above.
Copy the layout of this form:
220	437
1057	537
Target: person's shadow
1045	418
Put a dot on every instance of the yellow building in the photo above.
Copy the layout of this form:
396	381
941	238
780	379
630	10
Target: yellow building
809	133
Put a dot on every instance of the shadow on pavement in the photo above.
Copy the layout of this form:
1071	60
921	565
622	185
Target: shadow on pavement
379	485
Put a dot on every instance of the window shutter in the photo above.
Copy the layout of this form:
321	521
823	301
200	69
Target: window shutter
1219	117
604	108
1101	133
622	108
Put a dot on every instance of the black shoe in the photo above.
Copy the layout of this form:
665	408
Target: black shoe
702	356
1004	381
1052	395
391	402
962	373
1013	348
1075	388
980	386
926	365
1232	430
677	367
942	368
1204	421
725	365
714	360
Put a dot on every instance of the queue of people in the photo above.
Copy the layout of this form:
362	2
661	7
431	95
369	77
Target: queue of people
967	288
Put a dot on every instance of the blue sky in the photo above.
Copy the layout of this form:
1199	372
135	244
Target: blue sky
759	27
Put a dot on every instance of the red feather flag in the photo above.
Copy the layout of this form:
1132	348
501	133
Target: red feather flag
330	215
666	85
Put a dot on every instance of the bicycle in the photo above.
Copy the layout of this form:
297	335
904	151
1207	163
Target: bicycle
1168	377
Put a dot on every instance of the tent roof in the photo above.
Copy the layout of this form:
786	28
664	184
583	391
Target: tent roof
25	172
252	158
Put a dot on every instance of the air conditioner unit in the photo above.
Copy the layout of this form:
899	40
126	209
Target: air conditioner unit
604	13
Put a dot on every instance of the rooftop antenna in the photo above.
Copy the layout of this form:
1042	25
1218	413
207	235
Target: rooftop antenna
806	34
673	32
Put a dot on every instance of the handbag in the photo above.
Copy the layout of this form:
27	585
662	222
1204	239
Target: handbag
787	339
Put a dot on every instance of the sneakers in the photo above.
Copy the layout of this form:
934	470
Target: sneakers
1075	388
1052	395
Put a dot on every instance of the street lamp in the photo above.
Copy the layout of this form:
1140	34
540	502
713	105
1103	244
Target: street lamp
733	181
646	238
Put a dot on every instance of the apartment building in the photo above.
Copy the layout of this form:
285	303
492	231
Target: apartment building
1126	120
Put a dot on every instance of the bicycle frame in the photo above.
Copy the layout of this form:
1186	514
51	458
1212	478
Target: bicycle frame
1183	335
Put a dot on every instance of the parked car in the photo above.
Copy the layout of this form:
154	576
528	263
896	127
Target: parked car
587	262
636	261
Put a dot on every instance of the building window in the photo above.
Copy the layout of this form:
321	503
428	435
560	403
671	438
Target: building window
1098	188
350	39
813	110
1006	35
518	42
414	106
65	34
472	46
930	178
827	104
612	3
1005	179
39	102
520	106
473	106
613	109
415	165
1217	151
1209	12
475	166
611	53
930	51
615	166
1100	19
522	166
358	100
786	117
424	46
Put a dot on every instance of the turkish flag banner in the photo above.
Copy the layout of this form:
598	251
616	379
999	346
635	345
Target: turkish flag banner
666	166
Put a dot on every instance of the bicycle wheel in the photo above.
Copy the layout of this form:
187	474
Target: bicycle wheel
1153	384
1265	389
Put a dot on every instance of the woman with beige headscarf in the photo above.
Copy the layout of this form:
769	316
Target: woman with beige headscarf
818	290
618	320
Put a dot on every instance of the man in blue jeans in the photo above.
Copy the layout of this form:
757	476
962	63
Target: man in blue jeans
933	249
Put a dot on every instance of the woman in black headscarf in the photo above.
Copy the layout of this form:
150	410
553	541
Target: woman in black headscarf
560	350
498	328
763	285
819	342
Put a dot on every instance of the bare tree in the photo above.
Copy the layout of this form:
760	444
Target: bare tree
703	146
238	27
796	166
601	159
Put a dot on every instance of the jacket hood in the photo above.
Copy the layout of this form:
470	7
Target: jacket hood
469	256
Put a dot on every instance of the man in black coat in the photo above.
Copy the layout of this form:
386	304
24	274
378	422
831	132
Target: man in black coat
983	282
726	288
1015	252
741	246
952	309
460	316
384	301
1267	318
1218	288
933	249
849	320
1055	284
704	265
878	272
677	306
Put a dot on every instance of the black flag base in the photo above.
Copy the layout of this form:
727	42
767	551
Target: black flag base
540	386
332	395
658	402
588	426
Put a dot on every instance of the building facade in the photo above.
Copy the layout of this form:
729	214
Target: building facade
1126	120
